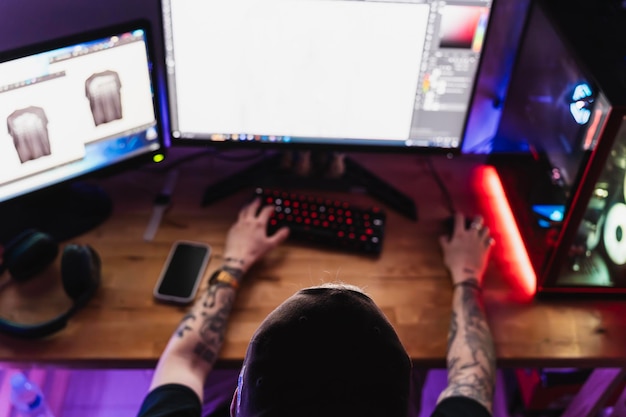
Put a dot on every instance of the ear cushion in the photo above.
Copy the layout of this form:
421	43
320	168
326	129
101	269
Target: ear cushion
80	271
29	253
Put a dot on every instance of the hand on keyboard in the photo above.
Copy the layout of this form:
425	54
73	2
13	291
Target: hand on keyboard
329	223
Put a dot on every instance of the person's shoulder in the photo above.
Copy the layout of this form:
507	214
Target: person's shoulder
171	400
460	407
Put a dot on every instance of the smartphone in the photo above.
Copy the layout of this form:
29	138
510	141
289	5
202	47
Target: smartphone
182	272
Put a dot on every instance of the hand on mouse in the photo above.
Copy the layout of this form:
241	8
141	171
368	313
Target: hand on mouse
466	252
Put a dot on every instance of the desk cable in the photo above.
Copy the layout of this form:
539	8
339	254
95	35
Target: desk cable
161	203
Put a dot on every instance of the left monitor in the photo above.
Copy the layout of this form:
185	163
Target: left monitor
69	108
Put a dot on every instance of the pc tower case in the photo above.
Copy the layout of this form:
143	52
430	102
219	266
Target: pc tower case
560	148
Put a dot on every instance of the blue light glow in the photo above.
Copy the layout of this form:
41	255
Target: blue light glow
582	99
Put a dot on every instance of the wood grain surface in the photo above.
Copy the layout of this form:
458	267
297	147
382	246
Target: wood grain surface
124	326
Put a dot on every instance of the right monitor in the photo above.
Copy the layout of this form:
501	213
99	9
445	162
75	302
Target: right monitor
566	110
339	74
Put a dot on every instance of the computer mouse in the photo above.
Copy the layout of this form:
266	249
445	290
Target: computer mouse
449	223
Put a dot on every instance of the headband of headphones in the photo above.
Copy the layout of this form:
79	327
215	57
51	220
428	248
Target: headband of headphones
31	252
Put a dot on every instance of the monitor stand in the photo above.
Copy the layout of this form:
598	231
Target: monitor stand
63	212
269	173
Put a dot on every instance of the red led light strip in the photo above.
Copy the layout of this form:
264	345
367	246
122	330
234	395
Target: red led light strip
496	209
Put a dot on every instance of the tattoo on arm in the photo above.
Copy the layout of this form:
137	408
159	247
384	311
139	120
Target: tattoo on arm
211	315
471	355
453	330
183	324
214	322
210	298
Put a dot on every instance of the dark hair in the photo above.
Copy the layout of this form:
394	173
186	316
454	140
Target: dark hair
326	351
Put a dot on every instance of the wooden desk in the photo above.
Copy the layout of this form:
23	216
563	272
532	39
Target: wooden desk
124	326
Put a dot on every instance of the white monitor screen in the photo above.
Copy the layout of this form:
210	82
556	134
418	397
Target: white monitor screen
323	72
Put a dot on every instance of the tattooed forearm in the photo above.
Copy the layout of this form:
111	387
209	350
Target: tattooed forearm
471	355
209	300
477	333
214	324
193	349
216	309
208	319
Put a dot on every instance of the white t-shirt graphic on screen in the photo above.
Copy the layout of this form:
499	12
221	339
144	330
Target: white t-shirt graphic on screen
103	91
29	129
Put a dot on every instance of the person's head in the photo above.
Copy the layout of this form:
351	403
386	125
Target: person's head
326	351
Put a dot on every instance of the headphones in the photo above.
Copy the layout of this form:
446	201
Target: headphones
30	253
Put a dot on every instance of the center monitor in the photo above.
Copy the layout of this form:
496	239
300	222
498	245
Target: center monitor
337	74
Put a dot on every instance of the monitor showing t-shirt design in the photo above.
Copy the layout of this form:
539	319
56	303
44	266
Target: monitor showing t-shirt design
74	106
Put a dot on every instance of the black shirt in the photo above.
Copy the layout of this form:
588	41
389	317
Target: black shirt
180	401
171	400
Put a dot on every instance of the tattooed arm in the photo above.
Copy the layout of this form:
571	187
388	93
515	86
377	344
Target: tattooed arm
194	346
471	354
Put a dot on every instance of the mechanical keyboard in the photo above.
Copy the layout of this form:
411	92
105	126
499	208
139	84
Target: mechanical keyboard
329	223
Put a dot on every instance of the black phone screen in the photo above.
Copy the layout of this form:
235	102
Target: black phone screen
184	267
